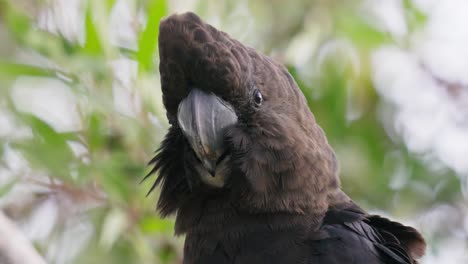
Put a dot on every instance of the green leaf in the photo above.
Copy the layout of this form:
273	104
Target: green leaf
16	20
113	227
153	224
93	45
95	139
148	38
112	175
23	32
48	149
11	69
109	5
4	189
45	131
360	31
414	16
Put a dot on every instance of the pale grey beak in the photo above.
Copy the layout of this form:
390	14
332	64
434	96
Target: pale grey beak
203	117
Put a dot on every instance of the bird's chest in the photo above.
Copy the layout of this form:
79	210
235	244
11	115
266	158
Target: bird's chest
252	247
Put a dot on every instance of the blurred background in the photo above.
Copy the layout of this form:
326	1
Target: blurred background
81	115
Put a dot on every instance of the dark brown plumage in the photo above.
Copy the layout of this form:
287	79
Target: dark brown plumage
247	169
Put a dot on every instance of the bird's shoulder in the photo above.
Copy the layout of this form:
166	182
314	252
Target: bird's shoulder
346	235
349	235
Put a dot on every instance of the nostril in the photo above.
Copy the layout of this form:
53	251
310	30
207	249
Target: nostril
212	172
222	157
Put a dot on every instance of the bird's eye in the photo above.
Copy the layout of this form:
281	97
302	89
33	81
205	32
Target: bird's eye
258	98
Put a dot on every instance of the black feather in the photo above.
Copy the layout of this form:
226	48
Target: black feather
281	202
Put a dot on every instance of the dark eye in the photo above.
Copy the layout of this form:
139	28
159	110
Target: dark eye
258	98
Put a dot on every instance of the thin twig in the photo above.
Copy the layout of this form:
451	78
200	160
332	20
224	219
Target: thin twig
15	248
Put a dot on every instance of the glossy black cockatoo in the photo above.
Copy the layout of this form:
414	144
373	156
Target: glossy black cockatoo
245	167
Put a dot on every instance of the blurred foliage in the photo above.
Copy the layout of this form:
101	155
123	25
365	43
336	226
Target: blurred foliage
103	181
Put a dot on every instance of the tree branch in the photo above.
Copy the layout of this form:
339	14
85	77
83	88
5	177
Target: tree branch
15	248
